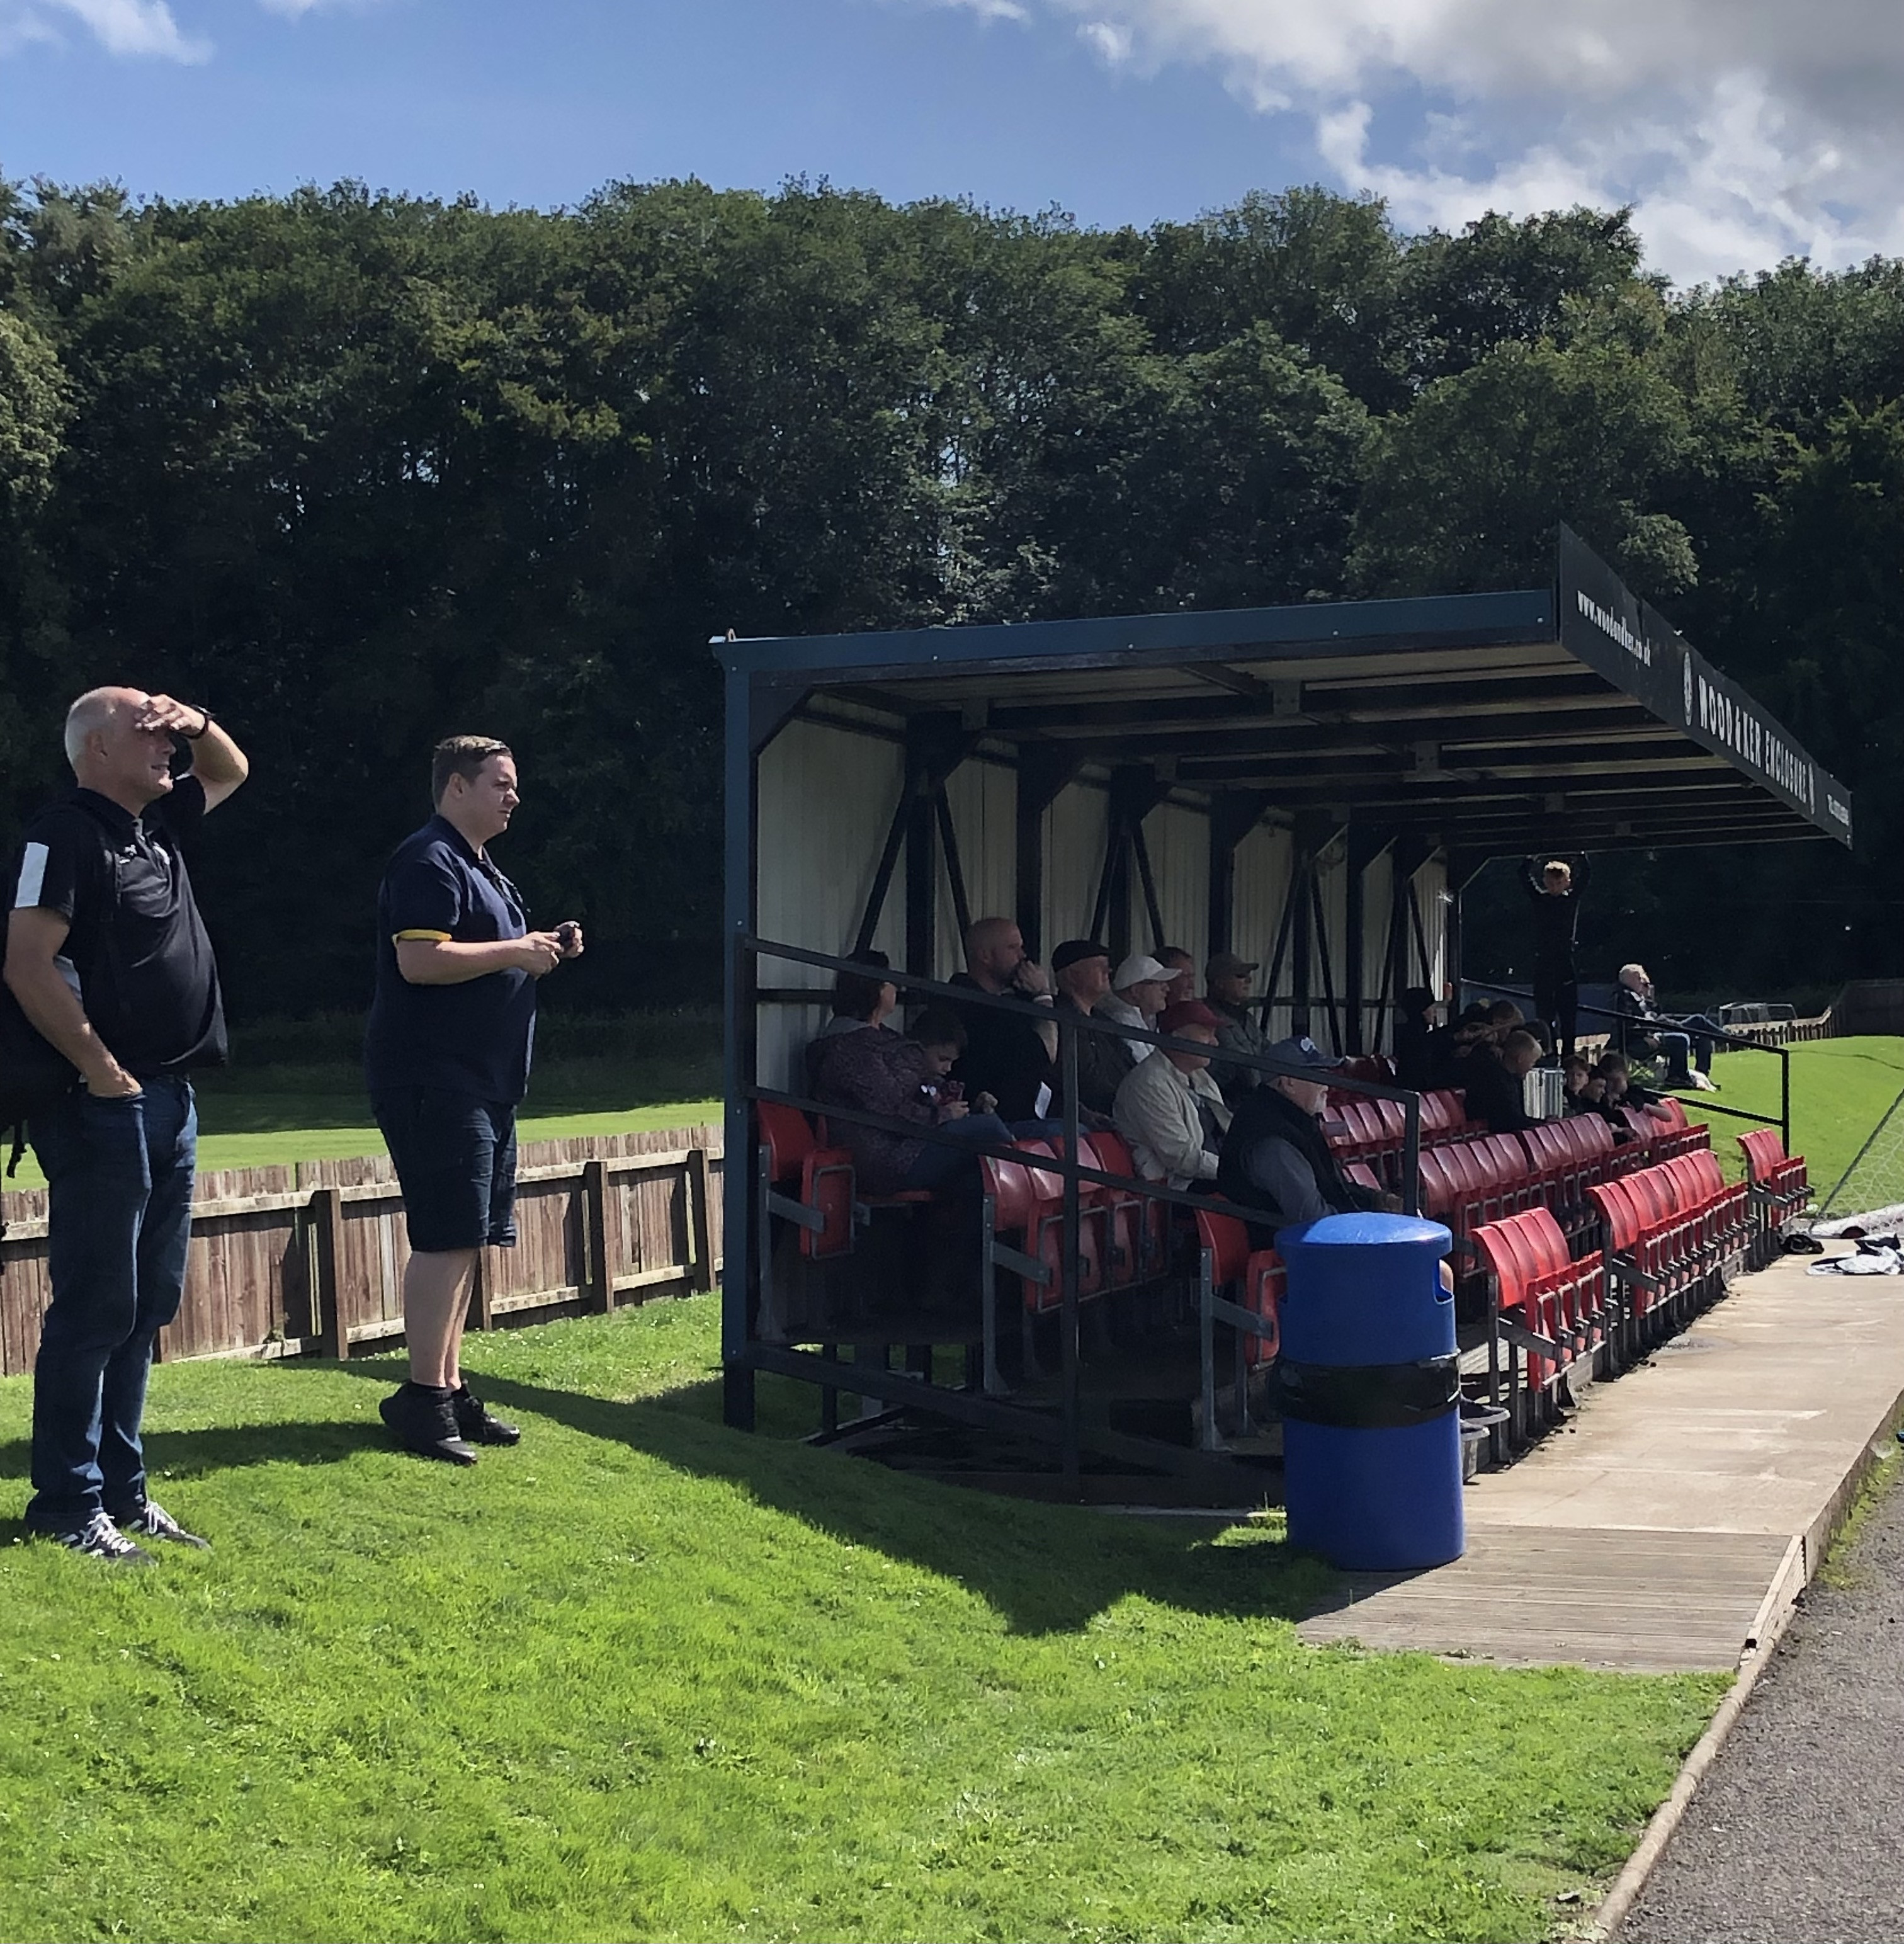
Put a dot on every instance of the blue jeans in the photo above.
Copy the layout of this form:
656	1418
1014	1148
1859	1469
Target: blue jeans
938	1163
119	1176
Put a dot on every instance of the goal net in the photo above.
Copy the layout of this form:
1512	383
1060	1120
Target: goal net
1870	1193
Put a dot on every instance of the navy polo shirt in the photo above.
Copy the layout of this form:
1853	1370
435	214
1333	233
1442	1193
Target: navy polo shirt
136	950
474	1038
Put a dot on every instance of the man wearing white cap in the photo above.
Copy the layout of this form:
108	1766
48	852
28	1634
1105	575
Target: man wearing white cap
1139	990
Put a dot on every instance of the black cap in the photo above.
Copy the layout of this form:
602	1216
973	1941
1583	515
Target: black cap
1075	951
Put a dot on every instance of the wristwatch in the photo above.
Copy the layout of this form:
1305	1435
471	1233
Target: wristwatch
192	735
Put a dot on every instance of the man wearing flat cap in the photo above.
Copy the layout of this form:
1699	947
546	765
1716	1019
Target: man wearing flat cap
1274	1161
1081	968
1237	1030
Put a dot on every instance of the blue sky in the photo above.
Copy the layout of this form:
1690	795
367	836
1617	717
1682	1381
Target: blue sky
1745	130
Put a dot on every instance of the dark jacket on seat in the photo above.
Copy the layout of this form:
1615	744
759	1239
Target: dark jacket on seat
1103	1060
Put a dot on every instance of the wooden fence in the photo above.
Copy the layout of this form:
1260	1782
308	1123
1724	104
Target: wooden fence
304	1261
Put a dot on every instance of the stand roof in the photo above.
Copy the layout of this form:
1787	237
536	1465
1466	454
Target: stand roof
1483	721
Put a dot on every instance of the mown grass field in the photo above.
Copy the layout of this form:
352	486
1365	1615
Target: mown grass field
643	1676
1840	1090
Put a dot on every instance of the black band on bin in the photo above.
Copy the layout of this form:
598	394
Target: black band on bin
1369	1397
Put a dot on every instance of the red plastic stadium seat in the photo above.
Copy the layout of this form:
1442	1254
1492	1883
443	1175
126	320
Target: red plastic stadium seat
790	1155
1254	1279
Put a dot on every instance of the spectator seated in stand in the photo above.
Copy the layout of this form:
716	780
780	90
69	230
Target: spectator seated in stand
1491	1077
1449	1046
1082	969
1275	1163
861	1000
1169	1109
1617	1091
1415	1019
1012	1056
1637	1021
1575	1073
1621	1089
1237	1030
1137	996
905	1079
1503	1016
1182	969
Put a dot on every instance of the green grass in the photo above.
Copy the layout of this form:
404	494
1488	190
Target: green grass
1840	1089
643	1676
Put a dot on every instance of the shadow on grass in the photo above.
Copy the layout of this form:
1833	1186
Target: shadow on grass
1045	1568
226	1447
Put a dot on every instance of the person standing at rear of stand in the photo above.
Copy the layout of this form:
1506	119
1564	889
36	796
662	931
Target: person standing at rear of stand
109	962
1554	888
447	1056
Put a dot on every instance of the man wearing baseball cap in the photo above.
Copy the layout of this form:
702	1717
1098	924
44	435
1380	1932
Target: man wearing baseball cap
1274	1161
1140	991
1237	1032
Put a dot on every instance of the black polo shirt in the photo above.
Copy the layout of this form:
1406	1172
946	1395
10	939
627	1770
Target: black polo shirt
475	1038
136	949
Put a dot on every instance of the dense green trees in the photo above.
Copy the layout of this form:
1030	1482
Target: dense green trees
360	470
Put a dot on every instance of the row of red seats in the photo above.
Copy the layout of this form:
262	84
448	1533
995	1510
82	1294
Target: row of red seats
1668	1235
1777	1187
1548	1305
1669	1231
1661	1131
1360	1127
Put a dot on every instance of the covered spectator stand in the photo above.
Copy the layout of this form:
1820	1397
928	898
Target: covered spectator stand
1308	786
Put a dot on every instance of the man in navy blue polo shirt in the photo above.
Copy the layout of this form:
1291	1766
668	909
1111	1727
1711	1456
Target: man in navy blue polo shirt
110	962
447	1056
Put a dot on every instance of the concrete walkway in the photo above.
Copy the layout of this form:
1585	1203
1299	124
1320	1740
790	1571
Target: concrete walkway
1794	1835
1683	1508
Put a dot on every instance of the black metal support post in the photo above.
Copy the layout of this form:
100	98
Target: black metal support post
742	1244
1044	769
1233	815
1073	1227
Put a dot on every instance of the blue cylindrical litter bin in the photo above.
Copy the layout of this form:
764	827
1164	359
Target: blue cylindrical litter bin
1370	1385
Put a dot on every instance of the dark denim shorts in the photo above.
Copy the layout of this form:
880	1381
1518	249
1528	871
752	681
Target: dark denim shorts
455	1157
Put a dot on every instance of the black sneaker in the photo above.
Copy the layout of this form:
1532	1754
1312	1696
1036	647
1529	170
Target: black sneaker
99	1538
154	1522
478	1423
424	1422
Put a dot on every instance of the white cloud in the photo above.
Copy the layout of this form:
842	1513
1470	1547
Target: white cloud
135	29
1112	43
986	10
1742	129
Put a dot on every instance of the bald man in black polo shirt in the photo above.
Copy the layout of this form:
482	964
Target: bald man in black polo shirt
110	963
447	1056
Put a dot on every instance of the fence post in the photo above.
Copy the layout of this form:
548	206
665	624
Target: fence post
598	1271
700	1245
327	1285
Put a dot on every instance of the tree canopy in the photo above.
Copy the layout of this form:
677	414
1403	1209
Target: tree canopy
361	470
